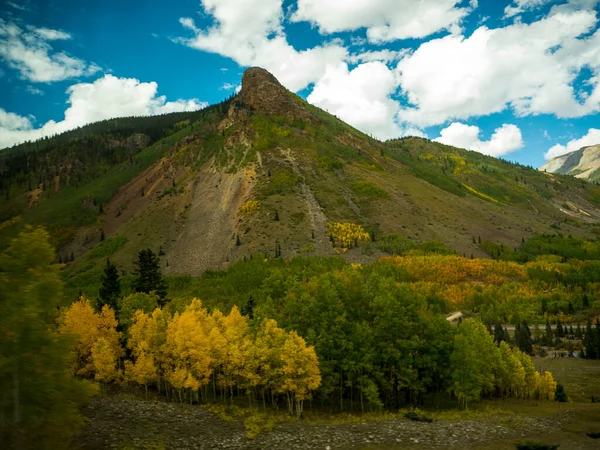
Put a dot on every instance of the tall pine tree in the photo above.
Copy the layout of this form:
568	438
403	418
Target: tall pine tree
523	339
110	291
148	277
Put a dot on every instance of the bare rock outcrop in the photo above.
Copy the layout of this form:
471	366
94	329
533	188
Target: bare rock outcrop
262	92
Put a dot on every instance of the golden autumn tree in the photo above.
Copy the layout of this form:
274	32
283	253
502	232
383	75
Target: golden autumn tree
89	327
189	347
301	374
265	364
348	235
142	371
230	344
104	359
147	340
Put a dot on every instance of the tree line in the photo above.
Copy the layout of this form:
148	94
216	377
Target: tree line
194	356
378	345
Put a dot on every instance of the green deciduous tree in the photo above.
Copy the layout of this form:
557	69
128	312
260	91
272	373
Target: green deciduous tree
473	362
38	398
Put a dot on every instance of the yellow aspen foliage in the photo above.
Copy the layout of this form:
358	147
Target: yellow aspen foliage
250	207
191	383
234	330
301	374
187	342
546	386
194	347
511	374
347	235
147	335
530	385
105	361
89	327
177	377
142	371
266	355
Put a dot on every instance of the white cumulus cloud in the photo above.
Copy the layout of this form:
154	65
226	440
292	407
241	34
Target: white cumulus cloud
385	20
360	97
592	137
250	32
527	67
29	52
505	139
105	98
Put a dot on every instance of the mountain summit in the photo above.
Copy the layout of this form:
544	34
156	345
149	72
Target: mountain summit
262	92
265	174
583	163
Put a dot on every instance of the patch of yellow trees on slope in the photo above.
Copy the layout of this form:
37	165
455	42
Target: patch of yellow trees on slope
250	207
347	235
190	353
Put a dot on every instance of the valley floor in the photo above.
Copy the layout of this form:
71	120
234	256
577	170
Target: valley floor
125	422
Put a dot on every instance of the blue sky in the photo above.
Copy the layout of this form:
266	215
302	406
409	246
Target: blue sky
518	79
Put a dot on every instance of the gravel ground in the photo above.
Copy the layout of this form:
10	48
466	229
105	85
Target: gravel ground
120	422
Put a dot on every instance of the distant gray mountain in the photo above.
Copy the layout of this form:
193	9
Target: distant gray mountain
583	163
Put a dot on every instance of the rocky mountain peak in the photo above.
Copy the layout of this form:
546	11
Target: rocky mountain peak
262	92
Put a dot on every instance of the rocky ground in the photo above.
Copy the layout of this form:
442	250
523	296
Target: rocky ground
122	422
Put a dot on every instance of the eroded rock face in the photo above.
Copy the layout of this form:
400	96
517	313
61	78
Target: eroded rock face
263	93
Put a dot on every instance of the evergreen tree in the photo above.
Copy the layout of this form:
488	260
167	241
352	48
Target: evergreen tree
578	333
148	277
523	339
589	341
248	308
277	216
560	395
499	333
102	237
570	308
549	334
237	240
544	306
586	301
110	291
559	333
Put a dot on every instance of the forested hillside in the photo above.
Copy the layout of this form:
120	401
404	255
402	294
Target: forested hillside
265	172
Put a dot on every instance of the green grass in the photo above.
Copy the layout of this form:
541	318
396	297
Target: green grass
367	189
108	247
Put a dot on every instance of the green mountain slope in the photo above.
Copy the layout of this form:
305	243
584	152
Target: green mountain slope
264	173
